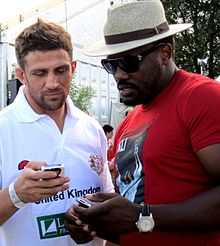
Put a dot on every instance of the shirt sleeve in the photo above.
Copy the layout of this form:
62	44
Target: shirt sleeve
202	116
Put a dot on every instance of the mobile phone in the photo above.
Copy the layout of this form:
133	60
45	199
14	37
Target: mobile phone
59	168
85	203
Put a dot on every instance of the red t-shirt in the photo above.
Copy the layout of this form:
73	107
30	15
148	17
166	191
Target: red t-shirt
156	152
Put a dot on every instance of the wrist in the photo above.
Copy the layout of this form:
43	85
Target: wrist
14	197
137	212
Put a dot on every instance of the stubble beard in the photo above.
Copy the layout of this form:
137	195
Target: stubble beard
51	105
45	104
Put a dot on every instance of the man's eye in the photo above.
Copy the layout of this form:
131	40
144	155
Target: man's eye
61	70
39	73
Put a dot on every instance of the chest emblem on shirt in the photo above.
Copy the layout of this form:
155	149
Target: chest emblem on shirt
22	164
96	163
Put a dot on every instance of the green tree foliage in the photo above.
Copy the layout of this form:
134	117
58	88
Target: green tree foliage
202	40
81	95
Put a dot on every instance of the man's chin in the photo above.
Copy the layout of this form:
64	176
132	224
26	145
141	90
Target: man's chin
130	101
53	106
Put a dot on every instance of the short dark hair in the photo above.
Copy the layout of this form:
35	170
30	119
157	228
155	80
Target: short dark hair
42	36
107	128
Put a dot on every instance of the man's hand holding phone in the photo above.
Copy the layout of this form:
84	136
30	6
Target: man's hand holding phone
79	231
34	185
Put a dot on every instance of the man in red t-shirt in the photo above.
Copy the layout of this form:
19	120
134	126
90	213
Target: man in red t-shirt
167	148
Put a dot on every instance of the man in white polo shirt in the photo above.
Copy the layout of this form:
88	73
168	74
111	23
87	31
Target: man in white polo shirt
42	127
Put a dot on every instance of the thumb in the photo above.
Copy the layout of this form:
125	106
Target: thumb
101	196
35	165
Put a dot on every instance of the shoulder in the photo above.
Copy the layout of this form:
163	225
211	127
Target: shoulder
6	113
196	90
84	120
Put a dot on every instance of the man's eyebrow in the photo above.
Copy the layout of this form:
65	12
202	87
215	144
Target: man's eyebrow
63	66
38	70
46	69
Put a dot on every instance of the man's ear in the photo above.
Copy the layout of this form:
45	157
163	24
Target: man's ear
166	52
20	75
73	66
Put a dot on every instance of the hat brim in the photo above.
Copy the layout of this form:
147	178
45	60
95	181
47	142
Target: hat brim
99	48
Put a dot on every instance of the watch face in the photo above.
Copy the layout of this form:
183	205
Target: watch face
145	224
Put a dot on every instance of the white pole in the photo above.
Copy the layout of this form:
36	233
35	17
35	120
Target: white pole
3	75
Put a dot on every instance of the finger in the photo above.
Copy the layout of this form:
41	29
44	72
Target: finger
93	234
35	165
88	214
33	171
48	175
78	222
51	186
54	182
78	234
51	190
71	226
70	216
101	196
86	228
35	191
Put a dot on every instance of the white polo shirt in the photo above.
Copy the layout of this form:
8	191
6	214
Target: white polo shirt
27	136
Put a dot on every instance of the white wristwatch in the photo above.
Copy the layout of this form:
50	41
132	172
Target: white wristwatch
14	197
145	223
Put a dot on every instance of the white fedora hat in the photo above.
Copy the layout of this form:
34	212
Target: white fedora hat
131	25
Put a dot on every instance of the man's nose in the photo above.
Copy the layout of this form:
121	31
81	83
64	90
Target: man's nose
120	74
52	81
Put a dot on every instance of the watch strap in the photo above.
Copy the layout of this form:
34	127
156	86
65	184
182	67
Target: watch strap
145	210
14	197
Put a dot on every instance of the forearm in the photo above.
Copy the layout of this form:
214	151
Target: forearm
199	213
7	209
